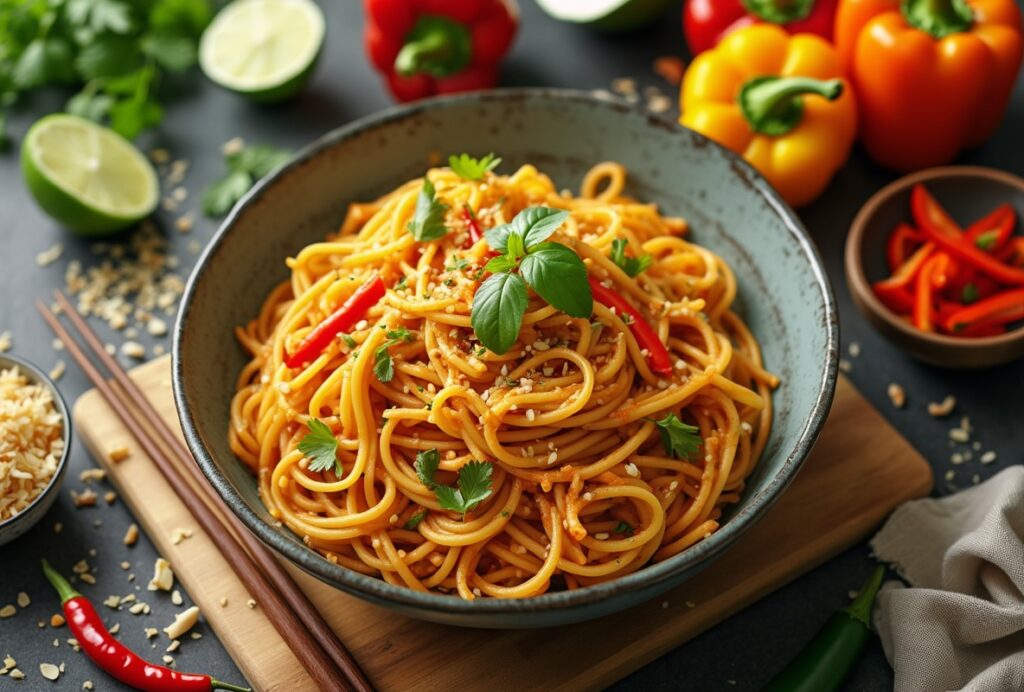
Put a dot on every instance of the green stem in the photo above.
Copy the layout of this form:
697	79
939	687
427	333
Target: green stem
218	685
62	585
436	46
779	11
938	17
774	105
860	609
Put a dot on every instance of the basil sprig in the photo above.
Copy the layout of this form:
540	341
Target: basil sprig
555	272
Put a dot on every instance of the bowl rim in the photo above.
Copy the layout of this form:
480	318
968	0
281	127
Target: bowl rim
856	277
377	590
37	376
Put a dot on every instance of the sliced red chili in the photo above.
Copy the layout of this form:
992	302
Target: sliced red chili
902	242
992	232
908	271
475	234
896	298
350	312
657	355
999	309
923	294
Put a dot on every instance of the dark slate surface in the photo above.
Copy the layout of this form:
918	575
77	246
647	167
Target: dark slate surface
739	654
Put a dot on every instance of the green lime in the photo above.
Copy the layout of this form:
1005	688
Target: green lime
87	177
264	49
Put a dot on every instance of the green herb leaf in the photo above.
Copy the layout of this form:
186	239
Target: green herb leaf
969	294
415	520
501	263
320	447
624	528
184	17
400	334
428	221
257	160
111	57
131	116
679	439
533	224
559	276
631	265
426	465
349	341
222	195
456	264
383	365
498	308
173	52
90	106
465	166
987	240
44	60
474	484
5	139
515	247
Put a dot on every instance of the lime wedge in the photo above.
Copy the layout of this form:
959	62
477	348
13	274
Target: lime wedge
87	177
265	49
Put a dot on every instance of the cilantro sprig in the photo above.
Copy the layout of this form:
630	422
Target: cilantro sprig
245	167
428	220
679	439
383	365
320	447
552	270
630	265
472	487
465	166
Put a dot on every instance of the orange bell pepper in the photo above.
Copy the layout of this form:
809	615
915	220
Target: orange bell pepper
932	77
779	101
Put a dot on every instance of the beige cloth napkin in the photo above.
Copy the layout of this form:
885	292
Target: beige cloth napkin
960	625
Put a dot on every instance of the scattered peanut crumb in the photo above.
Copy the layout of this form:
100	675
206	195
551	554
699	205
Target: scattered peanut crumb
896	395
156	327
133	349
115	628
223	601
87	685
163	576
112	601
173	646
87	578
988	457
49	671
959	435
119	454
670	68
89	475
16	674
58	370
943	408
49	255
845	365
183	622
168	659
131	535
109	497
151	632
178	535
87	498
176	598
8	611
126	565
5	342
23	600
950	475
232	146
251	603
57	620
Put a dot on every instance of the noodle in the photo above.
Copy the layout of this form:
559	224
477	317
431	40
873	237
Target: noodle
583	490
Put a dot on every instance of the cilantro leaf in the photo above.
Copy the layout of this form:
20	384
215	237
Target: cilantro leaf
222	195
624	528
415	520
533	224
320	447
131	116
173	52
400	334
559	276
383	365
44	60
257	160
184	17
631	265
108	58
426	465
90	106
428	221
498	308
679	439
465	166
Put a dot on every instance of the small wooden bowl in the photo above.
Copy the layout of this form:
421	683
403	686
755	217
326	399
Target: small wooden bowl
967	193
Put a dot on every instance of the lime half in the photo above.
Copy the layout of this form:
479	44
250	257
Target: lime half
265	49
87	177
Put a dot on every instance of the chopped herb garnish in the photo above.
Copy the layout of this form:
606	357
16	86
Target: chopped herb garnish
383	365
465	166
400	284
244	169
969	294
320	447
679	439
456	264
504	514
472	488
480	352
415	520
554	271
624	528
428	221
631	265
349	341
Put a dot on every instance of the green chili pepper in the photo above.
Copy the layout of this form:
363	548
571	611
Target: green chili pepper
829	658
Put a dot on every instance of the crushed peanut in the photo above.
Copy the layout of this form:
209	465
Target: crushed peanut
943	408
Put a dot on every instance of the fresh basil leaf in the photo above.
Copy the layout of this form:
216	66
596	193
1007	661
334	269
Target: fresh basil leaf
630	265
501	263
222	195
428	220
498	308
515	246
465	166
348	340
426	465
559	276
970	293
679	439
320	447
533	224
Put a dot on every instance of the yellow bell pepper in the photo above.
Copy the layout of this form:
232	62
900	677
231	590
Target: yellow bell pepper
779	101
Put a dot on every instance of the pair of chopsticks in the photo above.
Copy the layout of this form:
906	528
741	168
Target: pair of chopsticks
325	658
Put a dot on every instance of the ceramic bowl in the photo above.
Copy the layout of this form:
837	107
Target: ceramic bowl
783	293
30	516
967	193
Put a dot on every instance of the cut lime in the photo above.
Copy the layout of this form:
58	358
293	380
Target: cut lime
265	49
605	15
87	177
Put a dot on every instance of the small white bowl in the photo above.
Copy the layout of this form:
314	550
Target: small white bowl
15	526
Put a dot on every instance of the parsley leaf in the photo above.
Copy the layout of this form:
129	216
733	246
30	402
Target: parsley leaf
465	166
428	221
498	308
43	61
415	520
426	466
173	52
244	169
383	365
631	265
624	528
556	273
679	439
473	486
320	447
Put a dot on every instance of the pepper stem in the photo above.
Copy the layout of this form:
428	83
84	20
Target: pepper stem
774	105
779	11
860	609
938	17
62	585
436	46
218	685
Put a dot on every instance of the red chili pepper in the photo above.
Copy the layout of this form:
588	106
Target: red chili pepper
901	243
905	275
1013	253
923	292
115	658
657	355
350	312
475	234
992	232
428	47
705	22
938	227
999	309
896	298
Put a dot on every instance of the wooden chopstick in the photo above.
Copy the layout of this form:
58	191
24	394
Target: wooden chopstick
269	565
307	648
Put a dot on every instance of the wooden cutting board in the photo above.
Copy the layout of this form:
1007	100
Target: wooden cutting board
840	495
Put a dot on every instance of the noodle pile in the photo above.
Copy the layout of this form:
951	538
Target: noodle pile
583	490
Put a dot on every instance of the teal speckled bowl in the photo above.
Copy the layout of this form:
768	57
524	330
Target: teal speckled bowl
783	294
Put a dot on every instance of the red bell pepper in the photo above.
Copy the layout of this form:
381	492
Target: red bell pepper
705	22
931	276
657	355
1000	309
992	232
429	47
904	240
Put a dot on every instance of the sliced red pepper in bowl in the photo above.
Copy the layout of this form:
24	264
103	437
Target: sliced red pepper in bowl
992	232
1000	309
902	243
